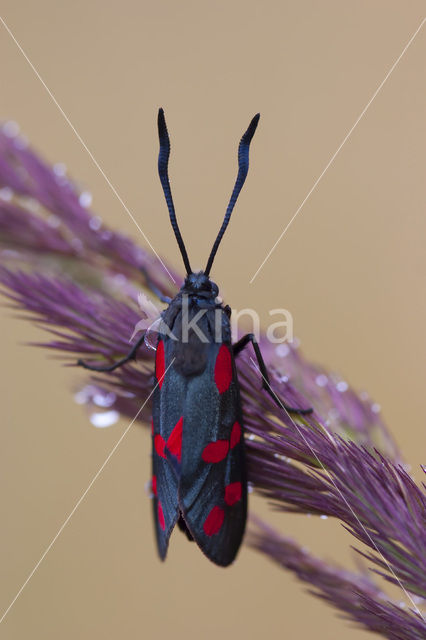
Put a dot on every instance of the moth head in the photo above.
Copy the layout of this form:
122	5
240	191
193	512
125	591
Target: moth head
201	285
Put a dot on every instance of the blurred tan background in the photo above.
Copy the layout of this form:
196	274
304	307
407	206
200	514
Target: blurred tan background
350	269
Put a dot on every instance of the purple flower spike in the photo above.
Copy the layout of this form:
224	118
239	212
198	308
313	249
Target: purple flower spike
354	594
80	281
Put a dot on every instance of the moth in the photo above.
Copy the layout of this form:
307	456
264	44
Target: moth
199	479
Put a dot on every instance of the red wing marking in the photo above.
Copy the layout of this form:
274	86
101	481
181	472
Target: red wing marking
214	521
235	435
233	493
161	520
223	369
159	445
160	363
154	485
215	451
174	441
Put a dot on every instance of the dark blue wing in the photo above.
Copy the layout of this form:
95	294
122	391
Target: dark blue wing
198	448
167	422
213	487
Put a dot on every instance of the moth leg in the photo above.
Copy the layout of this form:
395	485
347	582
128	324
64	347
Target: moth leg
155	290
111	367
239	346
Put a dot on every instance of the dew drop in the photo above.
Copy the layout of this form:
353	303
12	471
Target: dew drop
106	235
279	456
85	199
6	194
80	397
342	386
53	221
323	517
95	223
59	169
151	334
104	399
10	129
282	350
84	395
120	279
321	380
76	244
104	419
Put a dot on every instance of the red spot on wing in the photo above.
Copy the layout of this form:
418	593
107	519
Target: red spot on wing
154	485
160	363
174	441
223	369
159	445
214	521
233	493
161	520
215	451
235	435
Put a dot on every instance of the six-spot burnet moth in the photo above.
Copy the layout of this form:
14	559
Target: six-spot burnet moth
199	474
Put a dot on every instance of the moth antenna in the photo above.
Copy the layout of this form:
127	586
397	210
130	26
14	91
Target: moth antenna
163	164
243	166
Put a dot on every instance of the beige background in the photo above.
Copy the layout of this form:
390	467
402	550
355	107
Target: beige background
351	270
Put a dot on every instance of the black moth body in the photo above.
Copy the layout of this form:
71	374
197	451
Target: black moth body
199	477
199	474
